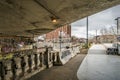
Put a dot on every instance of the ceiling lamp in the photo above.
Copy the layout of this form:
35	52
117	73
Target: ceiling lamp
54	15
53	19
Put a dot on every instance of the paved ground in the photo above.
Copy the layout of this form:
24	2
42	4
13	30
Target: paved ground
99	66
66	72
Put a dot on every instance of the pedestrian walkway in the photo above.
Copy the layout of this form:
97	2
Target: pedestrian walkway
65	72
97	65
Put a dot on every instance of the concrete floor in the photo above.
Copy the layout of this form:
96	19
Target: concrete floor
99	66
65	72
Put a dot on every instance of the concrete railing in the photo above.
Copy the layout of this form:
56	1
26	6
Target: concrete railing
75	50
30	62
23	66
63	56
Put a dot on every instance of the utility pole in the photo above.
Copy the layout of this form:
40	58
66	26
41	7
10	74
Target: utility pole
87	31
96	35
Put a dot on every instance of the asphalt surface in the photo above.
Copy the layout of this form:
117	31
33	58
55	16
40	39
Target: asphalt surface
97	65
65	72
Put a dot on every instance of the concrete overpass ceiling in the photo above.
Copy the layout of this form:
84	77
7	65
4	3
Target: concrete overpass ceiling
27	17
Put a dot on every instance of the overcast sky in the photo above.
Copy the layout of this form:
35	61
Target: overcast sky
97	21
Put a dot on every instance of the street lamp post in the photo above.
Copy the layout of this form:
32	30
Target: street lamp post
60	40
87	32
117	31
117	24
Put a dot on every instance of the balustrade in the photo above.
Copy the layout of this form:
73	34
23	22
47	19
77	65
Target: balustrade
28	62
24	63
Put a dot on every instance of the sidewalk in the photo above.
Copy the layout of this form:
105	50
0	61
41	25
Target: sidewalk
99	66
65	72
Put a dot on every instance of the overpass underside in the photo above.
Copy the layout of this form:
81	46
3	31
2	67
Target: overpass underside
28	17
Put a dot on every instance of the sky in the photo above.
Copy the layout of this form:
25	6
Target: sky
97	21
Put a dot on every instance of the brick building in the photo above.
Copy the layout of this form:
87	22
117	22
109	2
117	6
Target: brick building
64	31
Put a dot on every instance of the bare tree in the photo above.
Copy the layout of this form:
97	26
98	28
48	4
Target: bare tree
113	30
104	31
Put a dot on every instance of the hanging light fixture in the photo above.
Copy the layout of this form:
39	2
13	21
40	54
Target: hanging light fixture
53	19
